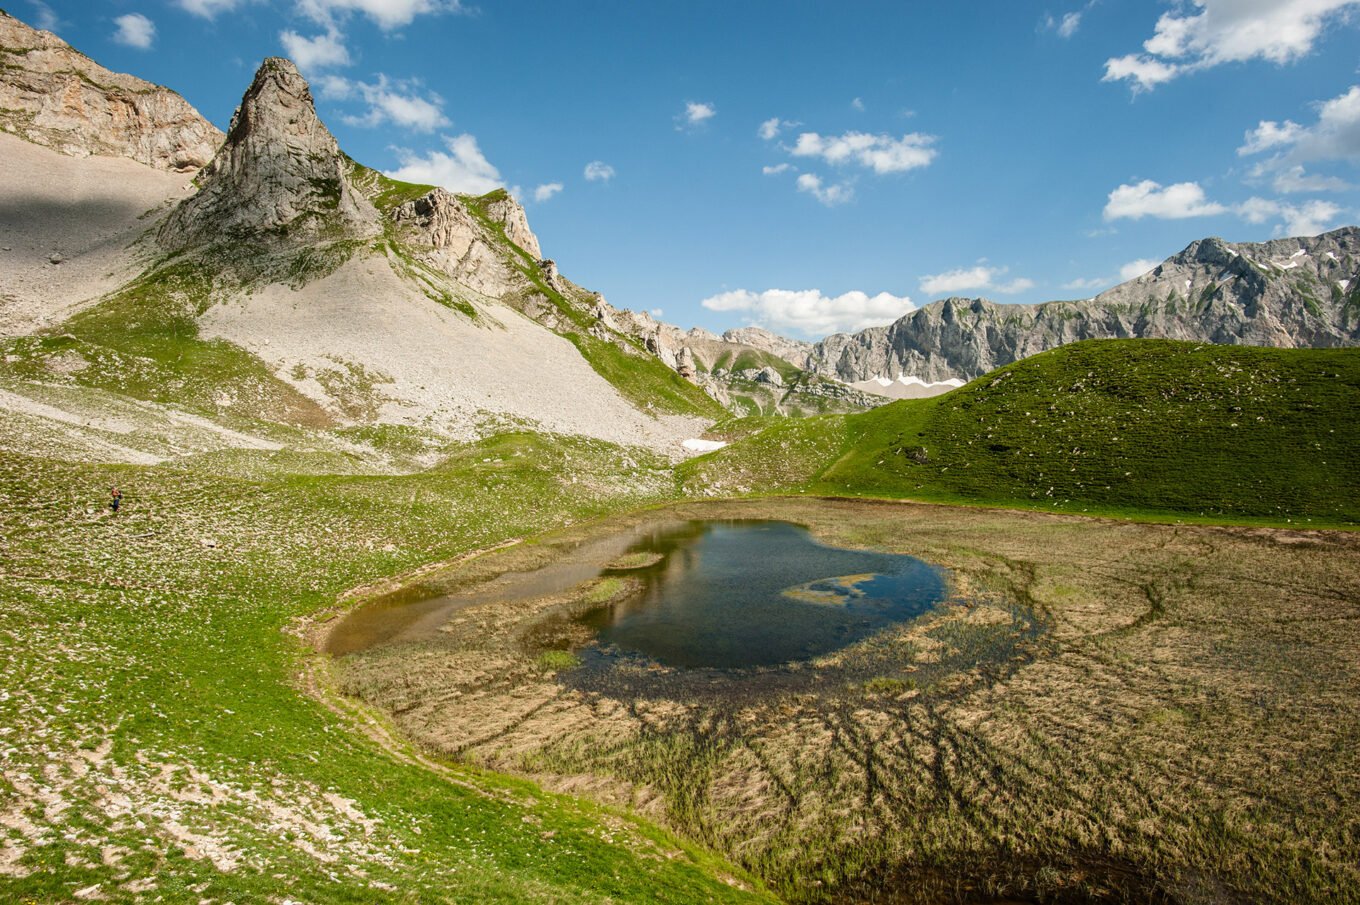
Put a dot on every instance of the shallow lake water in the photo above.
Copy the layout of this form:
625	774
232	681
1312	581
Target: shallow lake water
721	594
728	594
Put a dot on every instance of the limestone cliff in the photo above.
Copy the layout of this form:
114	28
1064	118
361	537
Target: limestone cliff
53	95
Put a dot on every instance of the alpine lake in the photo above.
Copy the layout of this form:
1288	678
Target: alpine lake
881	702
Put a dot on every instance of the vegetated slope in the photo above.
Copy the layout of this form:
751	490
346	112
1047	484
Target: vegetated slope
1288	293
1109	425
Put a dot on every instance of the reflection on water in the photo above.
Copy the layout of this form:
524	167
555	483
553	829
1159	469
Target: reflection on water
738	594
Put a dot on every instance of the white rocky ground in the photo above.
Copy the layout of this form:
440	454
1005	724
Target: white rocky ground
420	363
84	210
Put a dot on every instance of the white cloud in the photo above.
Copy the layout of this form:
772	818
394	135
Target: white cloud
1204	33
769	129
1336	135
598	171
389	101
1135	269
880	153
830	195
1267	135
1151	199
696	114
810	312
973	279
657	312
1307	219
44	17
208	9
776	169
547	190
1295	179
135	30
462	169
1087	284
1066	25
1145	72
386	14
312	54
857	104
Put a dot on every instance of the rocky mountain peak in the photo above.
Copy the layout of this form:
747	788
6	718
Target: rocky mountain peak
279	174
508	212
53	95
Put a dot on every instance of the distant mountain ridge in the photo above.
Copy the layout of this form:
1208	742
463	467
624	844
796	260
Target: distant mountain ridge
1288	293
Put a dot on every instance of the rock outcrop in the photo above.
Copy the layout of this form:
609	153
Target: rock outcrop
1290	293
279	176
55	96
506	211
443	234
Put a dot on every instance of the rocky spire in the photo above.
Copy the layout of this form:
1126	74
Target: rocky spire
279	175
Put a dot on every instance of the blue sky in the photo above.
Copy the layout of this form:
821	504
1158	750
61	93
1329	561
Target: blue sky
811	167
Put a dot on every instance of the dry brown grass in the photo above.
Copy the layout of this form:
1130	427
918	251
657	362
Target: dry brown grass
1107	710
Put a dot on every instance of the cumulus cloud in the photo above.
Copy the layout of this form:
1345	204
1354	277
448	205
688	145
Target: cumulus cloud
1294	179
324	51
598	171
1201	34
1151	199
1135	269
135	30
1269	134
695	114
547	190
776	169
973	279
830	195
769	130
461	168
811	313
880	153
386	14
1086	284
399	102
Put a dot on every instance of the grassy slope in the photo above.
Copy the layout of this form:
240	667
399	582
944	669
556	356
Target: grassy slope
151	721
1136	426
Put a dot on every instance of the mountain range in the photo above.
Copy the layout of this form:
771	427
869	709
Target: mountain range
131	220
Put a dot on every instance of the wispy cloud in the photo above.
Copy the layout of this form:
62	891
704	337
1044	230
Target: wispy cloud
44	17
400	102
386	14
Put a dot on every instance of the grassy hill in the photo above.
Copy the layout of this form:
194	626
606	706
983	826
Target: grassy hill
1109	425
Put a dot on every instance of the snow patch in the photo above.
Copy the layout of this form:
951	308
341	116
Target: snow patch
1301	251
698	445
1344	284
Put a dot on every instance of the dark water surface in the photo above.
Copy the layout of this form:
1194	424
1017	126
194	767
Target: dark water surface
757	593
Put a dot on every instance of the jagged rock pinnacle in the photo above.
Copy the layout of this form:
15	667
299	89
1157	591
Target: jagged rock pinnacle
280	173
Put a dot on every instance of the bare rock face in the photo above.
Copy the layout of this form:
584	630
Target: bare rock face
508	212
794	351
1289	293
53	95
279	175
442	233
684	364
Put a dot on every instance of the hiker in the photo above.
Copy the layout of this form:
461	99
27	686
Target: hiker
116	500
